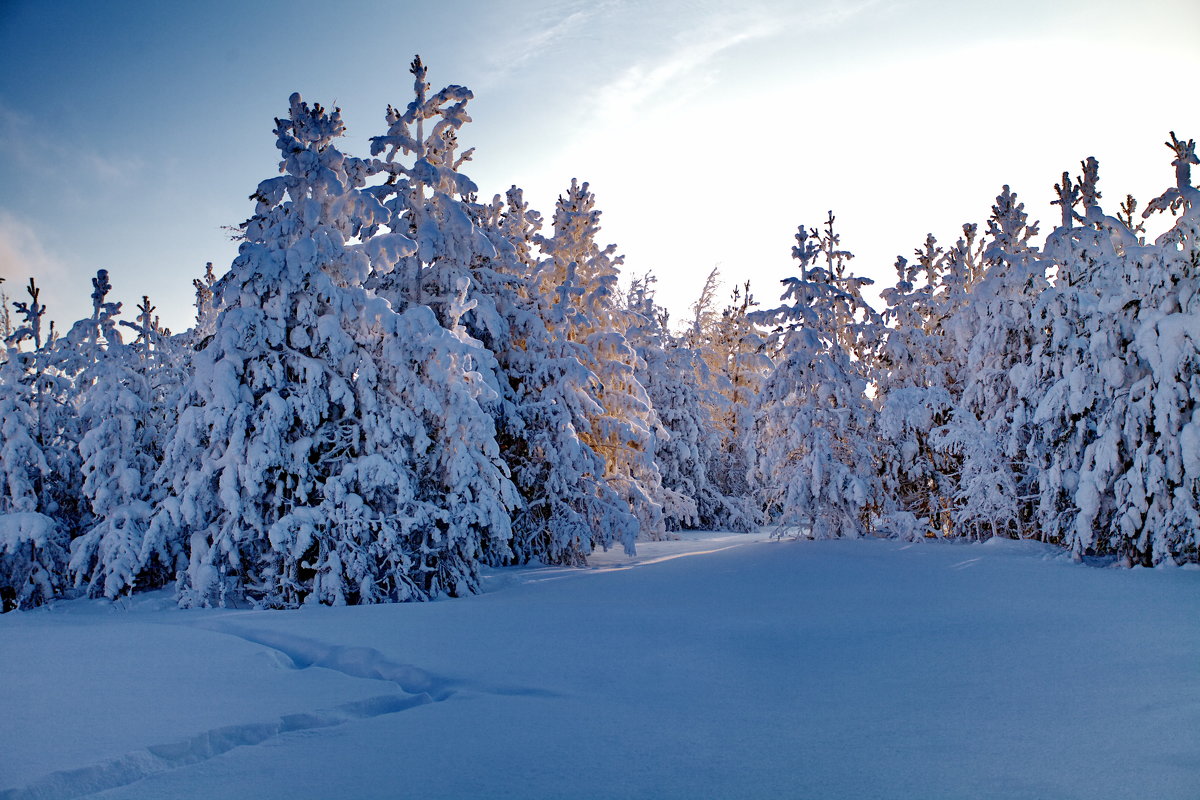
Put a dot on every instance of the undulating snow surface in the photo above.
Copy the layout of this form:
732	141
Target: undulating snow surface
716	666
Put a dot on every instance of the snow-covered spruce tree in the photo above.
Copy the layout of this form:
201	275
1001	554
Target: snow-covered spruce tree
33	550
164	360
1069	380
33	543
682	436
726	353
1179	199
990	426
1115	423
51	365
425	202
1158	495
206	312
567	508
950	325
813	418
689	408
913	398
329	449
739	358
583	277
705	317
961	271
541	401
912	348
698	337
116	448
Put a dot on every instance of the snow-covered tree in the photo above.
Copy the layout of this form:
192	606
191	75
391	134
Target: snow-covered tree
116	447
540	403
728	356
583	278
990	427
913	377
1110	377
164	360
567	508
33	549
328	448
705	317
424	201
684	382
682	436
52	398
736	351
1179	199
962	270
1159	493
206	312
33	541
813	416
1065	379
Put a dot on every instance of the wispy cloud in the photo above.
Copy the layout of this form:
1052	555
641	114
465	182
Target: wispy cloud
841	12
569	24
558	28
22	254
684	64
642	81
46	157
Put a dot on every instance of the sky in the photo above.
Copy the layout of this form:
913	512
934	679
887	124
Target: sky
132	134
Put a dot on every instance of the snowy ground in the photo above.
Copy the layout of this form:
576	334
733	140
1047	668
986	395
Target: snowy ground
717	666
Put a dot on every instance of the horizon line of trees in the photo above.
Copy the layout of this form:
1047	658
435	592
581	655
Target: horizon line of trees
396	383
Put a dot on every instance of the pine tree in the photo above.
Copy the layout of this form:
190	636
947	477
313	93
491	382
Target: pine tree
33	543
913	378
427	258
680	429
567	508
539	402
206	313
1065	379
116	449
990	428
1160	491
583	279
813	416
329	449
740	348
726	354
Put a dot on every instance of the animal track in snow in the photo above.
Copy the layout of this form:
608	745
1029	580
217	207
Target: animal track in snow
366	662
356	662
420	687
156	759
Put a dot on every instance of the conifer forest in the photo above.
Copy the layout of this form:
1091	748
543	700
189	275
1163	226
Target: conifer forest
399	382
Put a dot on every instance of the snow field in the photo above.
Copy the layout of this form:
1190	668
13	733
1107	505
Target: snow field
715	666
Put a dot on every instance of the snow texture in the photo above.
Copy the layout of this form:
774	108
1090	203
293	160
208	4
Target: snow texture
869	668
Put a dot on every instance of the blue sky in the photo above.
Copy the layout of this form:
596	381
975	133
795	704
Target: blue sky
132	133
